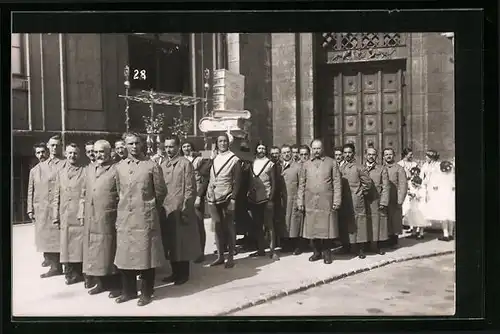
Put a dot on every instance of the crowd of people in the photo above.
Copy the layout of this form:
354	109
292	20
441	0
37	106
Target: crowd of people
122	214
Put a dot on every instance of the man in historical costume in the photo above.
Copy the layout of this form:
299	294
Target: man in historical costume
48	236
260	196
304	153
34	181
89	151
338	153
120	150
295	153
242	217
279	224
319	196
98	209
66	201
180	228
139	247
398	186
223	188
159	157
377	200
355	186
293	218
188	151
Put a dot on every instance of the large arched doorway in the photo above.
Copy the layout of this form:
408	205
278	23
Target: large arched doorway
360	92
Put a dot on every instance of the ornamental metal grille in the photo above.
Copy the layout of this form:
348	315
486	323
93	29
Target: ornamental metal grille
361	40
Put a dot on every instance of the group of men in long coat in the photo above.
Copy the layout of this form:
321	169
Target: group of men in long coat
123	214
113	219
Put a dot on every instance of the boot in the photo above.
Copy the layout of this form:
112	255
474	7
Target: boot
147	287
327	256
90	281
99	288
129	287
55	268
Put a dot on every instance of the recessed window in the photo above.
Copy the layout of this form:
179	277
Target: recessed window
159	63
16	54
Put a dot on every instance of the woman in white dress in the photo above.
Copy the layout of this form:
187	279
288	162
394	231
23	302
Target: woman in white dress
407	162
414	216
430	167
441	199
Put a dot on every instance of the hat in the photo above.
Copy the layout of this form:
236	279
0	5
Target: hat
446	166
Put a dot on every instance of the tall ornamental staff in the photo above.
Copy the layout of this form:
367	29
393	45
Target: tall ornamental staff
139	247
34	182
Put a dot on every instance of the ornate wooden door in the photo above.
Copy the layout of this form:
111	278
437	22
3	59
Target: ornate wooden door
363	106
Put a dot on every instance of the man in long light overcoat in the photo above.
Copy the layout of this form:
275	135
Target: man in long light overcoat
70	183
319	195
139	247
48	236
293	218
34	182
98	208
377	200
180	230
355	186
398	184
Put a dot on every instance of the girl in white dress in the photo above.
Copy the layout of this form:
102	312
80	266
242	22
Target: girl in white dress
441	199
407	162
430	167
414	216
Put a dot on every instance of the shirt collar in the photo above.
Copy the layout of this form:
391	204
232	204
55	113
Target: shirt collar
131	158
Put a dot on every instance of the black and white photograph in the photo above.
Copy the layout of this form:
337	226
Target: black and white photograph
233	174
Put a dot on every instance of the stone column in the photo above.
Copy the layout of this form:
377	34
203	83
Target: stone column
284	90
233	52
305	97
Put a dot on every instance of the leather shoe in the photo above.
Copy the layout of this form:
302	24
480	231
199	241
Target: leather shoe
51	273
96	290
327	257
124	298
144	300
297	251
114	294
168	279
181	281
315	257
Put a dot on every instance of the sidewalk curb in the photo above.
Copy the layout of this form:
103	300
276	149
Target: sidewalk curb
331	279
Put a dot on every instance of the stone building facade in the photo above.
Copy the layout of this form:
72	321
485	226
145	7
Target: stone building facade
385	89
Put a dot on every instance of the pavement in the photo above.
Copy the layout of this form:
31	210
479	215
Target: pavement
423	287
210	292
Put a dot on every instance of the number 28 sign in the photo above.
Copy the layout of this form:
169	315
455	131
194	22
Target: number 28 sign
139	74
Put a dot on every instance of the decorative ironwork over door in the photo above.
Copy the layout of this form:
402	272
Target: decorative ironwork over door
364	106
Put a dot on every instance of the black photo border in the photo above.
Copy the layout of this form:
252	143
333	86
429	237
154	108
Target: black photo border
476	97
